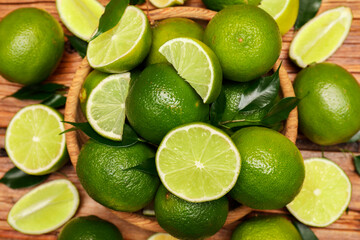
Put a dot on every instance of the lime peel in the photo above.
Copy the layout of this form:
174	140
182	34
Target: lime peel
166	3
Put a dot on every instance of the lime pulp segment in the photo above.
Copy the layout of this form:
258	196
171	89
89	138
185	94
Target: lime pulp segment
198	162
161	236
166	3
45	208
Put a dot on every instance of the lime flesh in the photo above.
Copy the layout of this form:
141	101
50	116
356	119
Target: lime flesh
166	3
161	236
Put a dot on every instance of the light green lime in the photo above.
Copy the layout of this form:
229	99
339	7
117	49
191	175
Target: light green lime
218	5
161	236
44	208
33	141
166	3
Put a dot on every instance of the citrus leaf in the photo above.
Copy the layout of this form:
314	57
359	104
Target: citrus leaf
355	138
111	16
148	167
305	232
79	45
357	164
134	2
37	91
55	101
15	178
307	10
217	109
280	111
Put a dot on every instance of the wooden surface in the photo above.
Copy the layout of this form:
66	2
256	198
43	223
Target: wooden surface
348	56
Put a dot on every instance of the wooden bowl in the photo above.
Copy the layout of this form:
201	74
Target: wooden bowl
73	113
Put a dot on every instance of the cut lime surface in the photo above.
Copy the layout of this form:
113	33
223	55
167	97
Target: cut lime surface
81	17
123	47
45	208
166	3
198	162
105	108
197	64
325	194
318	39
161	236
33	141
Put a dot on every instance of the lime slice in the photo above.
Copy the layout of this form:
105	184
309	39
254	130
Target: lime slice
283	11
325	194
123	47
44	208
198	162
81	17
33	141
161	236
197	64
318	39
105	109
166	3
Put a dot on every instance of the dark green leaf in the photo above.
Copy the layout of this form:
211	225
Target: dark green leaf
79	45
236	123
217	109
38	91
260	93
307	10
111	16
55	101
280	111
148	167
305	232
357	163
355	138
134	2
15	178
129	136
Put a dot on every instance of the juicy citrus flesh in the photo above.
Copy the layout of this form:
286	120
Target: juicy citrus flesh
321	37
33	141
197	64
198	162
161	236
218	5
325	195
166	3
81	17
105	108
44	208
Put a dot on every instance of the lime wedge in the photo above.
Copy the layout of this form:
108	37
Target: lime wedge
105	108
283	11
33	141
44	208
166	3
123	47
161	236
325	194
198	162
197	64
318	39
81	17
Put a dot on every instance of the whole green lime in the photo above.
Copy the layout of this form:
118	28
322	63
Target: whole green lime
160	100
168	29
31	46
187	220
218	5
272	170
246	40
329	110
266	227
89	228
105	175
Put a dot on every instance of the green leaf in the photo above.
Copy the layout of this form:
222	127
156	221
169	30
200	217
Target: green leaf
355	138
217	109
129	135
148	167
38	91
55	101
134	2
15	178
357	164
305	232
307	10
280	111
111	16
79	45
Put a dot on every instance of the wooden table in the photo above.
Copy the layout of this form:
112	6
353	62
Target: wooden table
348	56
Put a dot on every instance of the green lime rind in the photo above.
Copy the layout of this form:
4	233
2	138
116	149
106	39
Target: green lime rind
166	3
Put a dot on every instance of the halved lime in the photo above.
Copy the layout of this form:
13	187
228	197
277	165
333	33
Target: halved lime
197	64
81	17
318	39
105	108
123	47
161	236
33	141
166	3
283	11
198	162
44	208
325	194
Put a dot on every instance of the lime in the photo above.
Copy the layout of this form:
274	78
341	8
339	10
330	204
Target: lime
218	5
197	64
123	47
266	227
324	196
246	40
161	100
166	3
105	107
81	17
169	29
161	236
89	228
329	110
198	162
104	172
31	46
272	171
283	11
33	141
45	208
187	220
318	39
